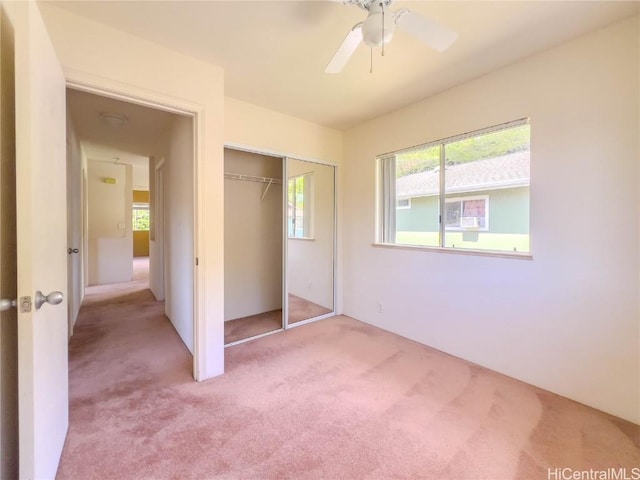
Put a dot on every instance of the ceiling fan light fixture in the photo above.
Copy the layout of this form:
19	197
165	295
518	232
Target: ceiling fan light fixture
377	30
375	33
113	119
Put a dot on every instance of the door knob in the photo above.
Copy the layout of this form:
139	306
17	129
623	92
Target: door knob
54	298
72	250
6	304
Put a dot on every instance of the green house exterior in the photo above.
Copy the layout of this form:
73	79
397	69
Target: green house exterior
505	223
508	212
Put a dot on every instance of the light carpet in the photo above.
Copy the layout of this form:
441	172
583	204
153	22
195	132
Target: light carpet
246	327
336	399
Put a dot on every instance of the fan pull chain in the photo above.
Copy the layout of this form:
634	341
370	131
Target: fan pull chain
383	30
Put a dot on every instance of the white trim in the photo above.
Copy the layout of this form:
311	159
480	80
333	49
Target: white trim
275	153
285	247
458	251
255	337
105	87
314	319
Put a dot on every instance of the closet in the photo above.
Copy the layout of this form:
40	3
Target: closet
279	222
253	224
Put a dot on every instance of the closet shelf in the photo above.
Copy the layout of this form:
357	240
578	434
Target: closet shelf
252	178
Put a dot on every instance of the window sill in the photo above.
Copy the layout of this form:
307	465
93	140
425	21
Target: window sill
307	239
457	251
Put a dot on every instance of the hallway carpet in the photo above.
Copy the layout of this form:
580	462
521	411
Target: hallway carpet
336	399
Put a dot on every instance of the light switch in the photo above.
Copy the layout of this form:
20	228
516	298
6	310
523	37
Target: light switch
121	226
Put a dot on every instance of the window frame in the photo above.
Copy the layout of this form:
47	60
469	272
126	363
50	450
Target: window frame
386	161
307	216
139	207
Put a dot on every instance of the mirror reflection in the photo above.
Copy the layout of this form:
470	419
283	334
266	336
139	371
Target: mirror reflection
310	239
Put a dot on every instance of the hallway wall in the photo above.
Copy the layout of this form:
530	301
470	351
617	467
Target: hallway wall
110	230
156	233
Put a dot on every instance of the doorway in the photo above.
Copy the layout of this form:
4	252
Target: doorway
117	148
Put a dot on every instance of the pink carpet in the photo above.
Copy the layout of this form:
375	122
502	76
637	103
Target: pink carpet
253	325
247	327
336	399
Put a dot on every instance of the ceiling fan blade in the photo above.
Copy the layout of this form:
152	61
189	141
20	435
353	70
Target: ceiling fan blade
427	31
349	45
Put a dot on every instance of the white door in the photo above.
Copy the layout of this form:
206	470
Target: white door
41	244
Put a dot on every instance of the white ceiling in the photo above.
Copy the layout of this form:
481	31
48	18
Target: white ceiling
274	52
132	143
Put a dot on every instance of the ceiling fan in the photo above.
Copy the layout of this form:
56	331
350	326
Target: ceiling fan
377	30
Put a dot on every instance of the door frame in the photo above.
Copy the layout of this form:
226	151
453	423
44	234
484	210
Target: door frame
285	283
89	83
334	311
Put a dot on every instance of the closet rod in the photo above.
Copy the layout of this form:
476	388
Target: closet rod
252	178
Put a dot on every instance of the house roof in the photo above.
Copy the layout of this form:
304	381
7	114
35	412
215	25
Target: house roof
506	171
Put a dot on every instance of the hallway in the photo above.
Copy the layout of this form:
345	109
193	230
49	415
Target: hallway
123	355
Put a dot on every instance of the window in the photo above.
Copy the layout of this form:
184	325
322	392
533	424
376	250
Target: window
440	194
299	195
466	213
140	216
403	203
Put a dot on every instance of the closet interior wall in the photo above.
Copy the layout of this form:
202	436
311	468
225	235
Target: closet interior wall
253	229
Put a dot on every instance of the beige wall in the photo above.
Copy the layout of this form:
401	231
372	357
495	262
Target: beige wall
156	234
110	232
102	57
567	320
270	131
253	236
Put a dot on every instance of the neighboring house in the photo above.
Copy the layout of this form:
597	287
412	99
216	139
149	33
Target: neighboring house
485	198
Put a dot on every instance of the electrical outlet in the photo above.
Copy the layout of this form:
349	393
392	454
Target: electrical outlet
380	307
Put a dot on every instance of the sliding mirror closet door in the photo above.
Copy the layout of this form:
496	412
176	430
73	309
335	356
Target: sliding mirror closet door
310	240
253	226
